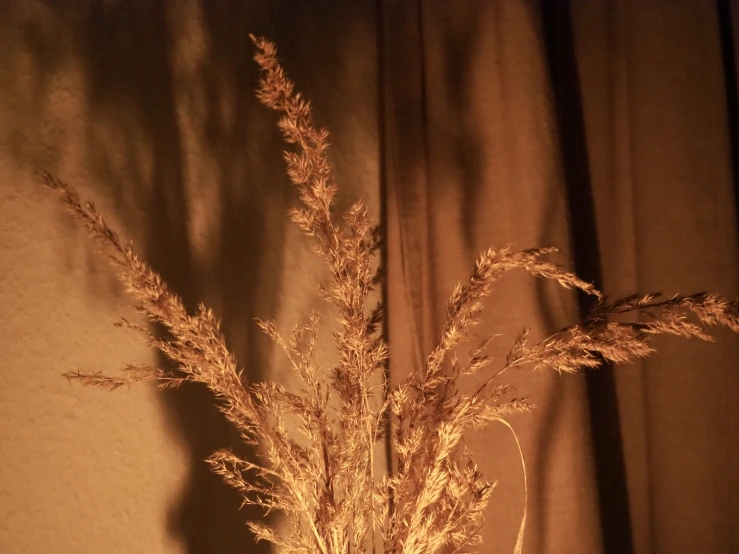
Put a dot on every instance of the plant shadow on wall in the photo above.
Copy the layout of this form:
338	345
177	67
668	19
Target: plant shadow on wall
137	153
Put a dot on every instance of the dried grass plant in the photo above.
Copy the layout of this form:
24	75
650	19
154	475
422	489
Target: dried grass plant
325	483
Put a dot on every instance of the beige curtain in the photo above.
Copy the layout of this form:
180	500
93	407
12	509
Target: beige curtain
608	129
603	128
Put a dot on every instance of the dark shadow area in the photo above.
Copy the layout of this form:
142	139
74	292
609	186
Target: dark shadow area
464	140
128	51
728	57
138	153
605	425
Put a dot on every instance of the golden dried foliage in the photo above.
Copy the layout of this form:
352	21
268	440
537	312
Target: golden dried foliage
325	483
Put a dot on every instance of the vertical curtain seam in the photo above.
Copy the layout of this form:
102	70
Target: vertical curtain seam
382	186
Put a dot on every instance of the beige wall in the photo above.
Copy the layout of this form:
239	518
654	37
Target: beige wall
148	109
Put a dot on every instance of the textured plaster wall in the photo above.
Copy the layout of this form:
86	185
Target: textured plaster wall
148	109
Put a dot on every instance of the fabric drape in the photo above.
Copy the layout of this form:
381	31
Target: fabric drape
602	128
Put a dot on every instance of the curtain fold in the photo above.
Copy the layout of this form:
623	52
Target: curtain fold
602	128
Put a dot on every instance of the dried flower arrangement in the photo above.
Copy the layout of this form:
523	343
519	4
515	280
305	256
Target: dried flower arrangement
324	481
